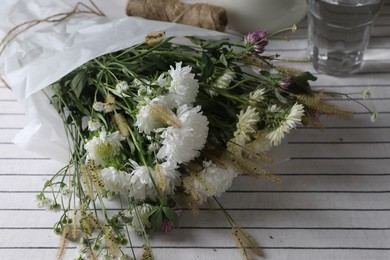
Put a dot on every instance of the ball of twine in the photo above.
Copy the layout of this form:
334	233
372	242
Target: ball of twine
200	14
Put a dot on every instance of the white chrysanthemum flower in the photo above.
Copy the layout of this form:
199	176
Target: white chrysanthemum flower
247	123
106	146
274	109
115	180
145	122
161	80
224	81
99	106
217	179
246	127
141	184
122	86
182	144
154	115
184	86
257	95
94	125
291	120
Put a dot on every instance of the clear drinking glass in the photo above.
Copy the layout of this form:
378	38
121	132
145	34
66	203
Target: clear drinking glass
339	33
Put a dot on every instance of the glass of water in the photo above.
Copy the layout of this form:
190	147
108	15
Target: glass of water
339	32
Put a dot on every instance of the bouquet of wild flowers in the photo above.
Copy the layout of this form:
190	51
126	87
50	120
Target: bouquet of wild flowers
164	126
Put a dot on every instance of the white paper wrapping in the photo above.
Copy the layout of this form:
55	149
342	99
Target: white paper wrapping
47	52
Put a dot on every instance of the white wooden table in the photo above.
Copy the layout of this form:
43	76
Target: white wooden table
334	203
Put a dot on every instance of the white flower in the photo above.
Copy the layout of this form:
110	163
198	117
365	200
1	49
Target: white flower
141	184
224	81
122	86
94	125
182	144
99	106
246	127
115	180
106	146
217	179
256	96
145	120
154	115
289	122
184	86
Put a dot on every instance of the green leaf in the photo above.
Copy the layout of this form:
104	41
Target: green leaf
213	44
78	82
156	218
207	66
171	215
280	97
223	60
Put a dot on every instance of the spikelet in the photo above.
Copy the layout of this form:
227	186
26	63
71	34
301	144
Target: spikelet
252	169
164	115
244	242
97	181
210	190
191	190
329	109
87	222
109	237
191	203
122	125
161	178
109	104
74	226
256	61
289	70
63	242
147	254
85	177
154	38
248	152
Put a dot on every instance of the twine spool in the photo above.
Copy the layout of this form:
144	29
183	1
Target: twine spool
201	15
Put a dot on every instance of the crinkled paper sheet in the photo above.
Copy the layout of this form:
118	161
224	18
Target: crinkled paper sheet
45	53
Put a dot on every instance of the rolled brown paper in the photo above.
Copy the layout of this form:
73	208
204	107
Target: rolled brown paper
201	15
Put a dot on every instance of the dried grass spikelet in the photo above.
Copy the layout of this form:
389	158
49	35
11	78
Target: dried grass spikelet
74	227
163	114
200	14
63	242
88	221
253	169
161	179
251	154
245	241
191	190
112	243
87	181
255	61
109	104
154	38
316	103
147	253
95	177
122	125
